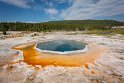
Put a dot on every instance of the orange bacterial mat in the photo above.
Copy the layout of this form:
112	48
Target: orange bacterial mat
34	57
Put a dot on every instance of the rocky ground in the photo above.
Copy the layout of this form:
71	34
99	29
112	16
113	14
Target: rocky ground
109	68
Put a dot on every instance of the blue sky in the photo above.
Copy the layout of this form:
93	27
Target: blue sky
47	10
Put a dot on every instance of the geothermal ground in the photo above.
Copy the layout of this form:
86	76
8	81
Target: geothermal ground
102	63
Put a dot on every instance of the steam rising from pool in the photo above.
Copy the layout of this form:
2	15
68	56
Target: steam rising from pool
62	46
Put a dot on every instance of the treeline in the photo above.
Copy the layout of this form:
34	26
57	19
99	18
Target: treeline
65	25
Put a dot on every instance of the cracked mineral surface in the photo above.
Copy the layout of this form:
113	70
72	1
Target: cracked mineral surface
102	63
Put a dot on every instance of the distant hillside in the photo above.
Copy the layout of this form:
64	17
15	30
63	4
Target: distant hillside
67	25
103	22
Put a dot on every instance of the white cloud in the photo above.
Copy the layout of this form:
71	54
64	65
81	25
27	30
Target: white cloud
51	11
88	9
20	3
78	9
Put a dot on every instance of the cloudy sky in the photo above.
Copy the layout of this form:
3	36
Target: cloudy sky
47	10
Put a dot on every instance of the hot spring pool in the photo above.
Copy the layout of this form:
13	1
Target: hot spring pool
33	54
62	46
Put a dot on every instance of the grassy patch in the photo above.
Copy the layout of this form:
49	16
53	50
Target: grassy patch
105	32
